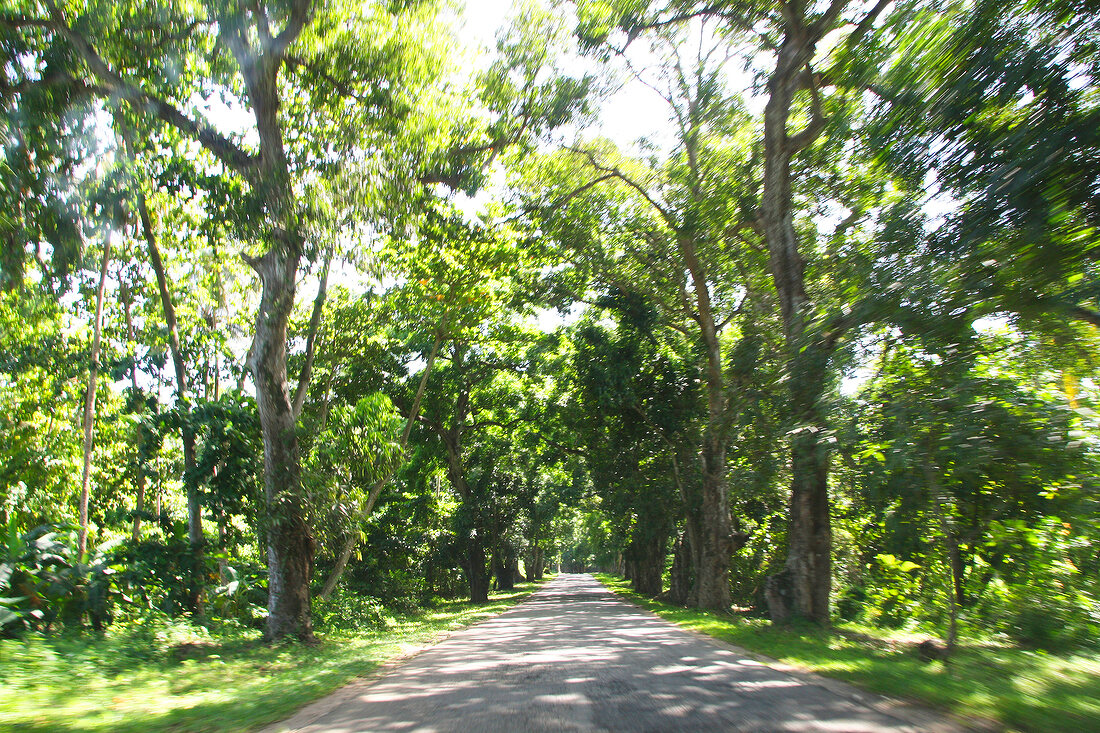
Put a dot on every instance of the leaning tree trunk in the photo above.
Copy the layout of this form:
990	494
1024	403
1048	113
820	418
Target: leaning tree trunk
187	431
139	468
89	400
376	490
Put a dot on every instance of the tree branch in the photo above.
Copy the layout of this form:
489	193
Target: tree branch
825	22
1085	314
864	26
221	147
616	173
311	339
299	16
816	124
16	21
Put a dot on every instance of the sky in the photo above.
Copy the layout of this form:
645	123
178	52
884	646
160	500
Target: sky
635	111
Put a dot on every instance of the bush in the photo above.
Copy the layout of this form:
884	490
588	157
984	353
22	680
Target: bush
1045	600
348	611
44	582
894	594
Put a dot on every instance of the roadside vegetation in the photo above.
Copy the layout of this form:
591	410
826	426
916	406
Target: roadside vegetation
991	682
162	674
322	309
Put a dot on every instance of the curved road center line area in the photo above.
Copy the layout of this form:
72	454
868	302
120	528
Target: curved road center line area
574	657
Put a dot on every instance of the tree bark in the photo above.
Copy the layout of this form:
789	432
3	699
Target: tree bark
476	573
139	477
89	401
503	570
803	587
649	563
712	544
682	574
290	541
187	433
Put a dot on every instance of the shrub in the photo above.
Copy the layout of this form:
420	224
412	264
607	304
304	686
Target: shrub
348	611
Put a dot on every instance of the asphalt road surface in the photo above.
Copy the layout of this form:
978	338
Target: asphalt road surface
573	657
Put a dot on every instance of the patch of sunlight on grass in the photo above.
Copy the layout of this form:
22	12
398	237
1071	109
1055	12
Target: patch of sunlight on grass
1016	688
119	683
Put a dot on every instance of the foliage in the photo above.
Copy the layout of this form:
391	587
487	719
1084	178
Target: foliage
155	672
48	584
346	611
535	352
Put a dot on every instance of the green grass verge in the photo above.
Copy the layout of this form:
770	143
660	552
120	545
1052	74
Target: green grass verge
132	680
1017	688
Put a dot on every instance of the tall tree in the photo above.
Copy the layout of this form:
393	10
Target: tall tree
255	54
89	396
676	232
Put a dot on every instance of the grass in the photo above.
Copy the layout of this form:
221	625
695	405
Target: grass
133	679
1018	689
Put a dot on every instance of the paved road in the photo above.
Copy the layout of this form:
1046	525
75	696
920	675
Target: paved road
573	657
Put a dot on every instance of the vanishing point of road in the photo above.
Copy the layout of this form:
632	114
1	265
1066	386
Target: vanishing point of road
573	657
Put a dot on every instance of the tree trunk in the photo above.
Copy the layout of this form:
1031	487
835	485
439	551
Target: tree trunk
649	563
187	432
290	544
682	574
89	400
376	490
529	565
513	568
476	573
502	568
803	587
714	552
713	545
809	558
139	468
950	543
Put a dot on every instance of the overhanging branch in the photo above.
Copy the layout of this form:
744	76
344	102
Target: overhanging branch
112	84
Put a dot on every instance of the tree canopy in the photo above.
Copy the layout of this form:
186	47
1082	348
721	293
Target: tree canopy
303	301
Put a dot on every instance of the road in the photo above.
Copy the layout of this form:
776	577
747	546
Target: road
573	657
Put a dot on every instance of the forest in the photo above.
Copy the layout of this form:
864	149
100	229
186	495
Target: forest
311	310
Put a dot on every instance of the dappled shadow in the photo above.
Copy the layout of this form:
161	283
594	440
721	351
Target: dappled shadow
573	657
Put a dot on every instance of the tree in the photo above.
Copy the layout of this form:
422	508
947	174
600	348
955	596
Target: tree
638	410
677	232
259	50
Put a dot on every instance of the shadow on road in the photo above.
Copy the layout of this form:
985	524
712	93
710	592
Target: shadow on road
573	657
